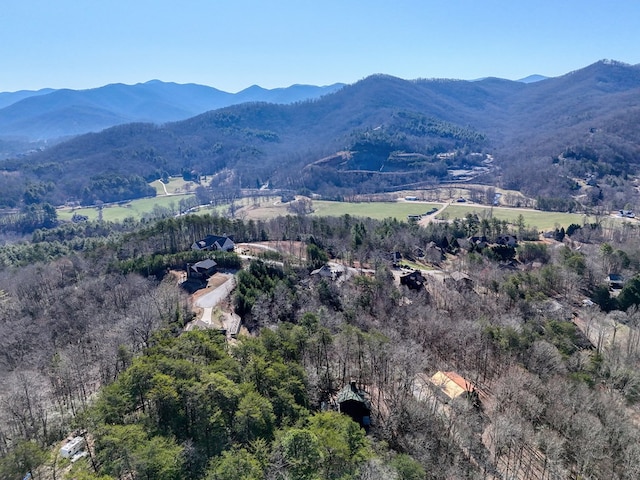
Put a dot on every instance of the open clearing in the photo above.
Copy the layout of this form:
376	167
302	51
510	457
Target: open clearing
532	218
175	186
270	207
118	212
264	208
400	210
377	210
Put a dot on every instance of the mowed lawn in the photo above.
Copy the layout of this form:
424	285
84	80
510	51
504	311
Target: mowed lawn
117	213
377	210
532	218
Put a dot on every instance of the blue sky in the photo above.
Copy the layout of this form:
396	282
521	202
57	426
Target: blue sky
232	44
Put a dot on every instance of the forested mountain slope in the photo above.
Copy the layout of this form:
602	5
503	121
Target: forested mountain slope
93	342
390	131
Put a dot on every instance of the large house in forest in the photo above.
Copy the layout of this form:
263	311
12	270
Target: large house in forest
214	242
202	269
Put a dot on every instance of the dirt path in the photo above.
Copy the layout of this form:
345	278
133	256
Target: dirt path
427	219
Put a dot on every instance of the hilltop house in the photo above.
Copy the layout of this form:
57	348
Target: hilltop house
353	402
328	272
214	242
201	270
413	280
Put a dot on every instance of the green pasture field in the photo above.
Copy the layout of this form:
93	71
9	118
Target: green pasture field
376	210
117	213
532	218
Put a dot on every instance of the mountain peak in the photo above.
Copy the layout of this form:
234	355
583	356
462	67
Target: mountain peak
609	61
532	78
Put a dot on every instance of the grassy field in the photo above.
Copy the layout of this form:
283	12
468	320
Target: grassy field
117	213
263	208
176	185
377	210
532	218
140	207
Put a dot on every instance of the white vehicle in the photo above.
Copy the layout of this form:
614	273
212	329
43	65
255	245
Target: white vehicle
72	447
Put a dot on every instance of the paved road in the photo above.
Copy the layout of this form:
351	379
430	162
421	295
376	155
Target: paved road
213	298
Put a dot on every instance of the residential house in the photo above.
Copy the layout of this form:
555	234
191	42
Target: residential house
459	281
331	273
354	402
413	280
507	240
615	281
433	253
450	386
202	270
214	242
478	241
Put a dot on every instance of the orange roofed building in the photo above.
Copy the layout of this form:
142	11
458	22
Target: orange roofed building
450	385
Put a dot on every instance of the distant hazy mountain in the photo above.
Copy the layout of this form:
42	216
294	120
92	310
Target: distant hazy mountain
8	98
50	114
532	79
381	132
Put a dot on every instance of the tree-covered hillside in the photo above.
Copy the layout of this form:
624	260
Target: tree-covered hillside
94	340
388	128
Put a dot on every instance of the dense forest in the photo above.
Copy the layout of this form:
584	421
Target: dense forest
93	342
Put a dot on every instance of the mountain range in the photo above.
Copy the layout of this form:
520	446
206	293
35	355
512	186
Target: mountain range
49	114
379	133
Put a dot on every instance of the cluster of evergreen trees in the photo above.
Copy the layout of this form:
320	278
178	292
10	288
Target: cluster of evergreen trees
191	407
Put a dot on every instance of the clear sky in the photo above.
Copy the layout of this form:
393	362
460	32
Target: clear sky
232	44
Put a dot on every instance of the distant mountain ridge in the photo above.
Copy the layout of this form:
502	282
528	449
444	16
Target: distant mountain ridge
50	114
380	133
533	78
9	98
